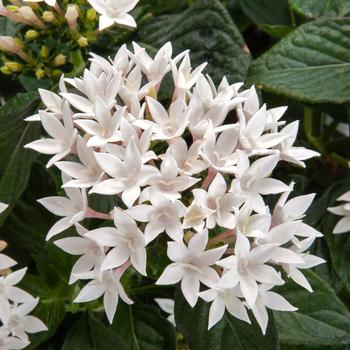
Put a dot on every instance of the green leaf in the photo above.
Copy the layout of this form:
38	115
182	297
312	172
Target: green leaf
267	11
275	30
143	328
321	8
15	161
229	333
91	334
78	338
321	320
207	30
311	64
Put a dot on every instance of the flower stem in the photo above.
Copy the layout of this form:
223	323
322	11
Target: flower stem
92	214
210	177
222	237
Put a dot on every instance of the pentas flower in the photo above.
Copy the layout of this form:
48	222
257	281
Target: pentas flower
191	265
184	176
343	209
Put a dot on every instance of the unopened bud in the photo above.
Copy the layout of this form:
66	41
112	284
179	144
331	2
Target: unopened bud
91	15
29	16
71	16
44	52
12	8
14	46
48	16
82	41
40	73
5	70
59	60
31	34
14	67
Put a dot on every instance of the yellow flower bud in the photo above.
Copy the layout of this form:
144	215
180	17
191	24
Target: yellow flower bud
59	60
5	70
14	67
44	52
31	34
82	41
12	8
40	73
91	15
48	16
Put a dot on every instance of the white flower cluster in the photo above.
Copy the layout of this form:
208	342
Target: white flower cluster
196	169
15	305
343	224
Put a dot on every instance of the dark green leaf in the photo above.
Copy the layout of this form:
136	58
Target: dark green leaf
322	319
207	30
15	161
229	333
277	31
321	8
267	11
143	328
310	64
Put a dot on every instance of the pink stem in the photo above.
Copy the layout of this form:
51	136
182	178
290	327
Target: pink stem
92	214
222	237
122	268
210	177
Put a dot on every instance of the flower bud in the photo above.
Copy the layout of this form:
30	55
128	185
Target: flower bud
82	41
14	46
40	73
12	8
31	34
44	52
5	70
71	16
59	60
14	67
29	16
48	16
91	15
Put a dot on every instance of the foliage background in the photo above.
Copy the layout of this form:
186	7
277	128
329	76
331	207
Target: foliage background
297	52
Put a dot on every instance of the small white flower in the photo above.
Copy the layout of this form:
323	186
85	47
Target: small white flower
110	287
84	174
247	267
191	265
271	300
114	12
222	300
127	175
63	136
219	201
162	215
92	253
73	209
343	224
126	240
252	180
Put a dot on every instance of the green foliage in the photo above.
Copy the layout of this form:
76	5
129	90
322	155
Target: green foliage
15	161
208	31
321	8
310	64
321	320
301	51
229	333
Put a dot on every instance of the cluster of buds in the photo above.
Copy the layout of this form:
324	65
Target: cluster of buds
194	171
15	305
73	24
